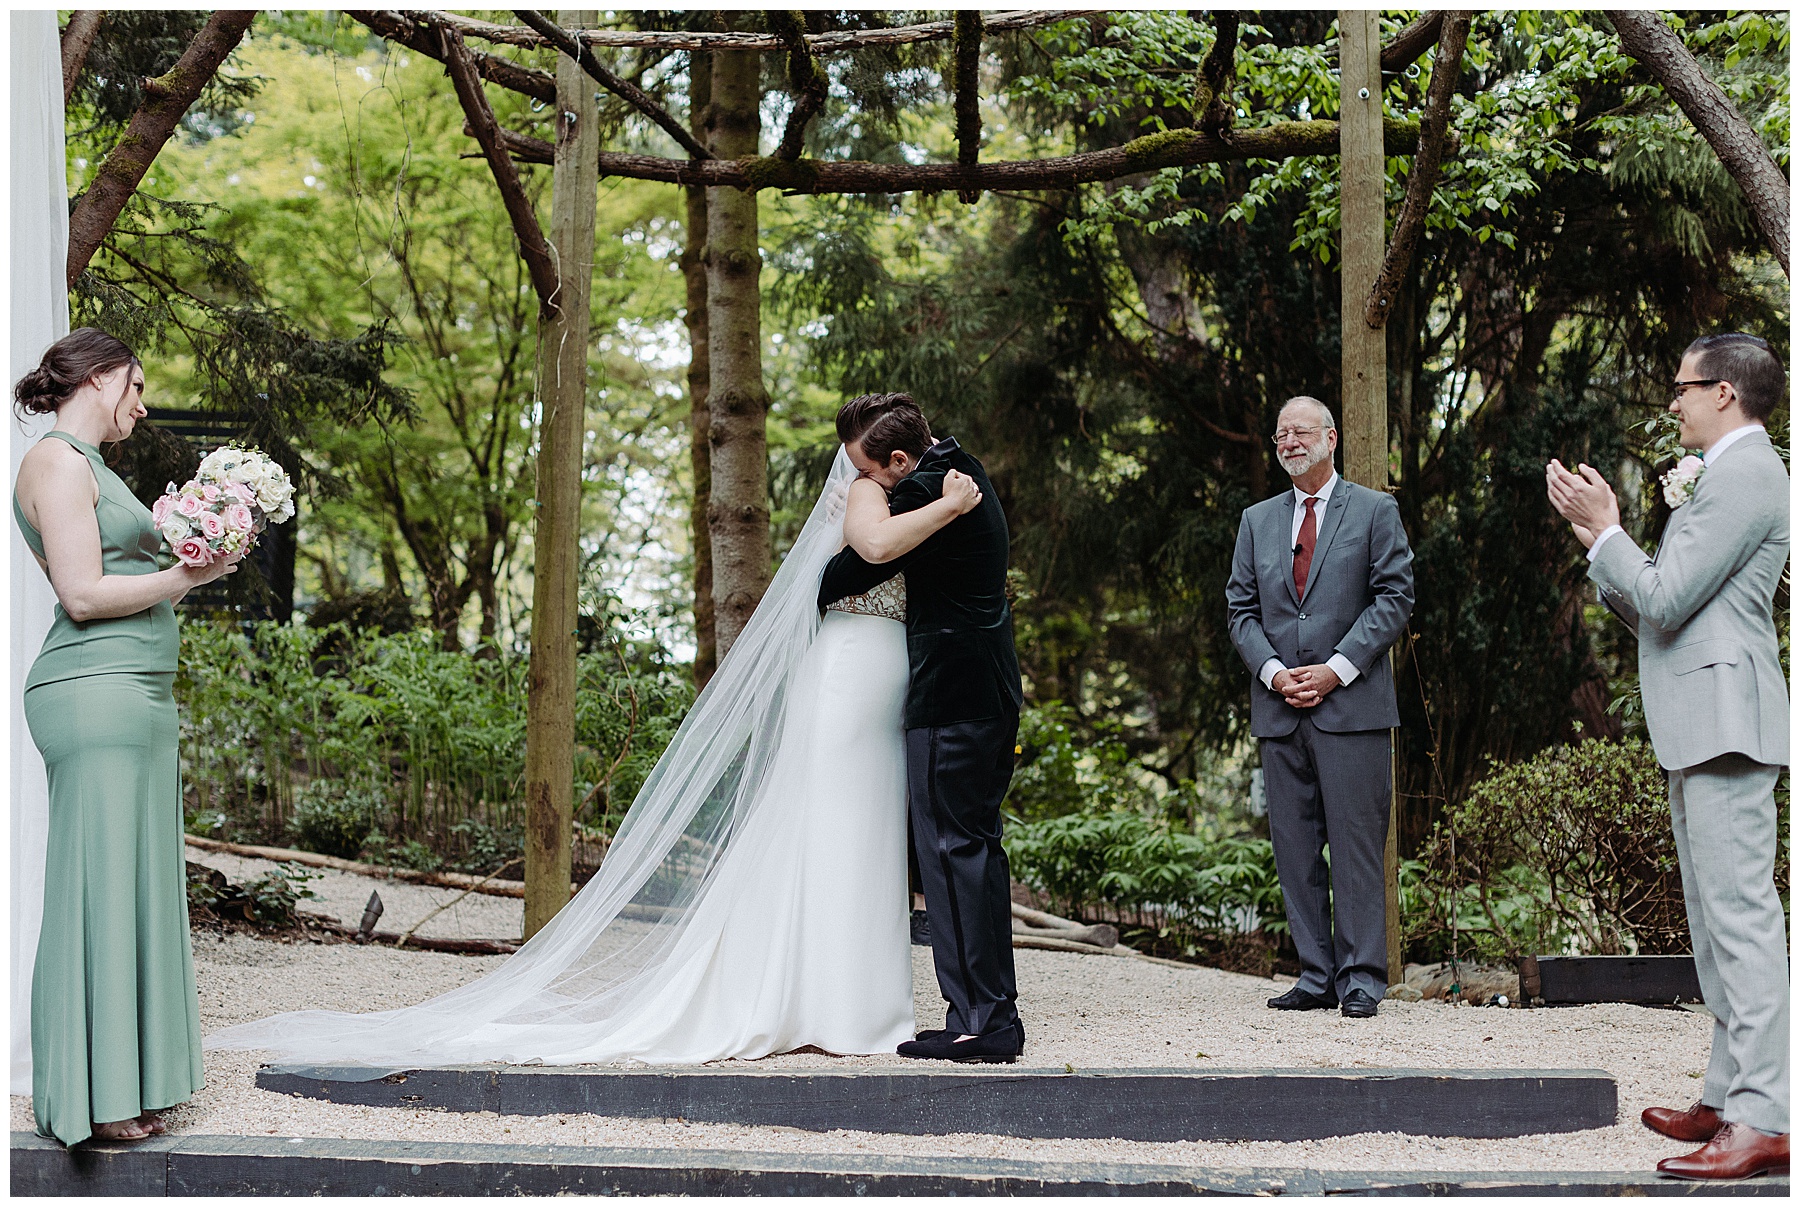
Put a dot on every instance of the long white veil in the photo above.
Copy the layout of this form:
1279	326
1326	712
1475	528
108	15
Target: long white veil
602	954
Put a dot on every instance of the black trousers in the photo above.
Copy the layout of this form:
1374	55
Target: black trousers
956	778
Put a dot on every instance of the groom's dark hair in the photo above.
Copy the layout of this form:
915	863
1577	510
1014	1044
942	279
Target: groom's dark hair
884	424
1749	364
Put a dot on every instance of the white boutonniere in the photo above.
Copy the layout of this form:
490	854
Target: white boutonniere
1678	484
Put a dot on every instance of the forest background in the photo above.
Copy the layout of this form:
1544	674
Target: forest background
320	257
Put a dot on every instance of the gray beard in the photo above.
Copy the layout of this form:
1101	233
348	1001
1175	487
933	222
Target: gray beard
1313	457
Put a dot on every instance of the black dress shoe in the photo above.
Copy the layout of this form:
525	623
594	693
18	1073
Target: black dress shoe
1299	999
920	926
1358	1004
996	1047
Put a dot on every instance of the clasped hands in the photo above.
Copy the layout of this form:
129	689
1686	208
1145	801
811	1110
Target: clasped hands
1584	499
1305	686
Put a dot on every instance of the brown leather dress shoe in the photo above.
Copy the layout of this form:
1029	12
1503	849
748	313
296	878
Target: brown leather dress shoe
1736	1152
1698	1122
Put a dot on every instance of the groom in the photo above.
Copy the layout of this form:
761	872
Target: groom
962	718
1716	704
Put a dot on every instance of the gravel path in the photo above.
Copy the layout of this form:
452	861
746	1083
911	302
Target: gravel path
1080	1010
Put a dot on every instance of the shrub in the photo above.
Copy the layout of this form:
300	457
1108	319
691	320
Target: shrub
1566	852
333	818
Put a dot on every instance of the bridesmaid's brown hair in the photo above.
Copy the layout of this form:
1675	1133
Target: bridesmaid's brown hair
83	353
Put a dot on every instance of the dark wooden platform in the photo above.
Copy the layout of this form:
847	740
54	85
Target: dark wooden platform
1127	1104
272	1165
1572	980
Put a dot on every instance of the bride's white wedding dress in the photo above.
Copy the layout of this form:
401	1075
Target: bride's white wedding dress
755	898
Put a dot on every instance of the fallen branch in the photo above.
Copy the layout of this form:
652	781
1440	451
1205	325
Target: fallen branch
1411	42
401	941
969	29
312	859
387	938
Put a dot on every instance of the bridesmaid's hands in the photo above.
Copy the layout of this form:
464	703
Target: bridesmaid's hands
199	576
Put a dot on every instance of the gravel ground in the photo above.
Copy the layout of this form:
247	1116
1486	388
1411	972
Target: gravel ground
1081	1010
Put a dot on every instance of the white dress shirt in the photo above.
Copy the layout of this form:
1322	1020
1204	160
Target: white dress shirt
1345	669
1708	457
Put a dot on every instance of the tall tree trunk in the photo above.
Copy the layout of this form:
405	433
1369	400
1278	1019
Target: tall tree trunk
562	392
1645	38
166	99
738	513
693	270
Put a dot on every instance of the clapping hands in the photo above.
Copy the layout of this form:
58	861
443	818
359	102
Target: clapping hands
1584	499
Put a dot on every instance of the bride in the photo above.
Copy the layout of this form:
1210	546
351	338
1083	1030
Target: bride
754	900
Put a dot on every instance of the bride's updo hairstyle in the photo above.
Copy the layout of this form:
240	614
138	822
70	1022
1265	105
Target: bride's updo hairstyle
83	353
884	424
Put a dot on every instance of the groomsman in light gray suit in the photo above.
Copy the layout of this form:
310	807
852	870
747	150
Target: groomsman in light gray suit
1717	708
1321	585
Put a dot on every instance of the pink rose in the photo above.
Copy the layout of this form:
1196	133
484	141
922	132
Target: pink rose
238	518
212	526
240	492
194	552
190	506
209	492
159	510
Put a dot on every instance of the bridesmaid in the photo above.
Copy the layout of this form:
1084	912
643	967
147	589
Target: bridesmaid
115	1021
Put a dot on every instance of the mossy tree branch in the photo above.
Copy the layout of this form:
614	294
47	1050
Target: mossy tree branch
416	34
77	39
167	99
1168	149
806	81
1433	135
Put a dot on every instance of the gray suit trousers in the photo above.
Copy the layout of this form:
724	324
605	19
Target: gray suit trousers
1332	788
1724	814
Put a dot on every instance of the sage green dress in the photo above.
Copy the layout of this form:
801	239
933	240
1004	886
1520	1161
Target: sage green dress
115	1020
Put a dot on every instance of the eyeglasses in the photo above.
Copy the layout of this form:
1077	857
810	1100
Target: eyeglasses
1681	387
1302	434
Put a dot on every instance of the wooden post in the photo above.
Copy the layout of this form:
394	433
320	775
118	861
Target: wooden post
1362	192
562	397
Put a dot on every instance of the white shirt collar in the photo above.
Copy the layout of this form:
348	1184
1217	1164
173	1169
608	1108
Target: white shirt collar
1324	495
1727	440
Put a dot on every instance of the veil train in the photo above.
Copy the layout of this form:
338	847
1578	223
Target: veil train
601	956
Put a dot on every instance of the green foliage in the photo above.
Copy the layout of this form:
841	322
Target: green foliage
294	731
271	900
332	818
1568	852
1123	867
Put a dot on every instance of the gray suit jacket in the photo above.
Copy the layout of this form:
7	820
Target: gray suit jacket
1702	608
1358	598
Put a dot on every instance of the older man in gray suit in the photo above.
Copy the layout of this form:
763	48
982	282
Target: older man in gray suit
1716	704
1321	585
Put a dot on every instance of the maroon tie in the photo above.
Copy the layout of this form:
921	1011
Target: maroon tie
1303	549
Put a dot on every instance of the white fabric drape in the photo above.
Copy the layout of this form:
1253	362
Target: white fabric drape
40	316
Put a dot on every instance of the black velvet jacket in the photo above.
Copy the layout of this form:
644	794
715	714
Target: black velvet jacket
959	632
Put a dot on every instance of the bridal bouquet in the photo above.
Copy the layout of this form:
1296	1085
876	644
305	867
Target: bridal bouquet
236	493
